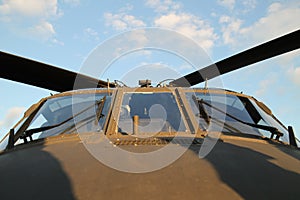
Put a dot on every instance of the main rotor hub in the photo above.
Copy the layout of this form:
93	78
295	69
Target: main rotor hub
145	83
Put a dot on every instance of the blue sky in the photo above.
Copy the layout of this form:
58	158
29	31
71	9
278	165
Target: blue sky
63	33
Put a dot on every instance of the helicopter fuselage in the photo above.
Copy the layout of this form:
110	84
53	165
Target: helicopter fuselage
163	143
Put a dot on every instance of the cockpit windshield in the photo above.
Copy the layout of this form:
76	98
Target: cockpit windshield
160	112
154	112
232	113
68	114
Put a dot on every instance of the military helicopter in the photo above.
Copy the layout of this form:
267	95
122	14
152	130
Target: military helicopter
171	141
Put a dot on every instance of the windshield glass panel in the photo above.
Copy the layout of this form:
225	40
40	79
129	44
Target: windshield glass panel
156	112
229	113
231	104
4	140
269	120
70	114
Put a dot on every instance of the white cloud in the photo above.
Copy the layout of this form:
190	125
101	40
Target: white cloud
171	16
29	8
185	67
163	6
30	17
135	39
128	7
123	21
266	84
11	116
294	74
279	20
56	41
138	38
241	6
43	30
89	32
189	25
288	60
227	3
249	4
230	28
274	7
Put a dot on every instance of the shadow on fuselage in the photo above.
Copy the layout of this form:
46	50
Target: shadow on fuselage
248	170
254	174
33	173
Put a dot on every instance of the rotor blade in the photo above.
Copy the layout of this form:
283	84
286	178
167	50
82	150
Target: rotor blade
261	52
42	75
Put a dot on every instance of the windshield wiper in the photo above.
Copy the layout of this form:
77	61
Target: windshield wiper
271	129
30	132
100	106
203	113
